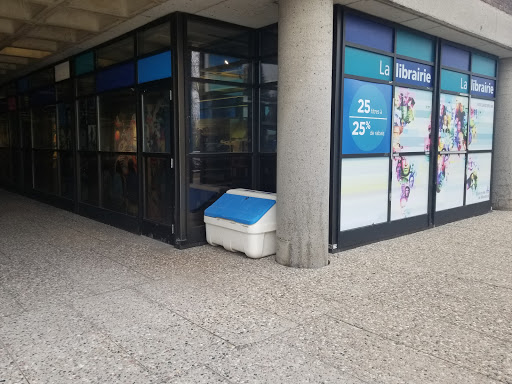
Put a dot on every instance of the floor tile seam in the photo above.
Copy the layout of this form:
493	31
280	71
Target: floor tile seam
9	354
169	308
423	352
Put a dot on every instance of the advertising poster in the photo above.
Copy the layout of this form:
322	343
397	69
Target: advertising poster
366	117
412	116
364	192
480	124
450	181
478	178
409	186
453	119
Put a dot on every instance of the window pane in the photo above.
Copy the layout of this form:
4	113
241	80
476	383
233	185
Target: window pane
64	90
481	124
268	70
65	118
89	178
268	122
42	78
453	119
159	190
157	121
115	53
364	192
268	42
87	124
120	183
450	181
220	118
26	128
219	67
218	38
44	127
14	130
210	177
45	171
118	129
67	174
155	38
478	177
409	186
4	130
85	85
5	171
268	173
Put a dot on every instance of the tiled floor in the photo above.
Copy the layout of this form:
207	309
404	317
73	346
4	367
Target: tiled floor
82	302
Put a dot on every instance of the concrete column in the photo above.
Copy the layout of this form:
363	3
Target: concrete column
502	166
303	132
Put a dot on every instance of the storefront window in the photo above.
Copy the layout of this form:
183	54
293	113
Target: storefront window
4	130
219	67
89	191
44	127
120	183
88	124
159	190
65	123
220	118
268	120
155	38
67	174
157	121
46	171
118	128
114	53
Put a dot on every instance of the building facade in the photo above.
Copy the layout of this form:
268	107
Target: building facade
380	120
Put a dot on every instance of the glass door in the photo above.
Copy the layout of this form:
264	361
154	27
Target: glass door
158	162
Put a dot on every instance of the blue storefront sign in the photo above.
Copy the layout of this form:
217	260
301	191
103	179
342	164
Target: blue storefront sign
414	73
454	81
482	87
368	64
366	117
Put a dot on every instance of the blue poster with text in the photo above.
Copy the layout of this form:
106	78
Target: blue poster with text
366	117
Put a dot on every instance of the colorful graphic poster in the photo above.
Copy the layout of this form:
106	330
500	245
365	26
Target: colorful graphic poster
481	122
450	181
364	192
412	117
366	117
453	119
409	186
478	178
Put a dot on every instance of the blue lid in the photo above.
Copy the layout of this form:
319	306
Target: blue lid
240	209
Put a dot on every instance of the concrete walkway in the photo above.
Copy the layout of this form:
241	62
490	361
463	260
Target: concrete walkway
82	302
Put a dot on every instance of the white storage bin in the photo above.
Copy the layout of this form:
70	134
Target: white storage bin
243	220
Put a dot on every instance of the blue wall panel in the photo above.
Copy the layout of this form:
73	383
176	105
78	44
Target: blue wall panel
369	33
455	57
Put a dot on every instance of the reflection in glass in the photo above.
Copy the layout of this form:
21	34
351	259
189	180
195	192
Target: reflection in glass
44	127
159	185
89	192
268	40
219	67
268	173
157	121
210	177
364	192
220	118
115	53
155	38
412	117
46	171
87	124
231	40
66	174
453	120
65	119
268	120
118	127
120	183
268	70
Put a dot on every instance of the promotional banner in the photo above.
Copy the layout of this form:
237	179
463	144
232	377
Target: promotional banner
366	117
450	181
482	87
364	192
453	118
478	178
454	81
412	117
409	186
481	123
359	62
414	73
